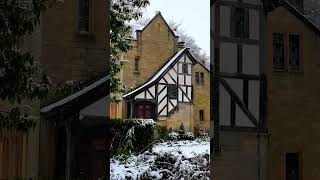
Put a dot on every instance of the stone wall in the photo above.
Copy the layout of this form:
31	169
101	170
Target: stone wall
293	101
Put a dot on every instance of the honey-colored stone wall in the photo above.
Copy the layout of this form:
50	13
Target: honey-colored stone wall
293	101
154	46
201	98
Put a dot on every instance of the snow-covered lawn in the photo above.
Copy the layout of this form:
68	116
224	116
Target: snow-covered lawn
167	160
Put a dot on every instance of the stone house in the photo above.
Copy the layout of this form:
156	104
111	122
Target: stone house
70	43
293	46
170	85
283	144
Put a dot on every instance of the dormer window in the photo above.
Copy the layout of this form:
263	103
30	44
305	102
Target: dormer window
83	18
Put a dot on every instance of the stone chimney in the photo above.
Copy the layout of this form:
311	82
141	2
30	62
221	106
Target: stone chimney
181	45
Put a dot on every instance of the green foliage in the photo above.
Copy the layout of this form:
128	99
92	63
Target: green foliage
20	77
122	11
131	136
162	132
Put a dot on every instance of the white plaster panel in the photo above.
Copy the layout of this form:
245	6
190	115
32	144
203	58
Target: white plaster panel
148	96
250	60
170	107
225	21
162	104
174	102
180	68
254	98
153	90
188	60
188	80
186	99
162	94
168	79
173	74
162	81
181	80
241	119
175	67
189	92
228	57
189	69
254	24
236	85
224	107
179	95
140	96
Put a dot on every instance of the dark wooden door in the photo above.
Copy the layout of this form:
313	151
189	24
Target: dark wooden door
144	110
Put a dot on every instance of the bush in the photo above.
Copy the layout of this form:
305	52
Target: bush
173	136
162	132
132	136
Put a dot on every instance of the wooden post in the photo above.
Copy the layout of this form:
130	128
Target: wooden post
68	151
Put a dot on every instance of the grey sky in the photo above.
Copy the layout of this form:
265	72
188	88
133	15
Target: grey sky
194	16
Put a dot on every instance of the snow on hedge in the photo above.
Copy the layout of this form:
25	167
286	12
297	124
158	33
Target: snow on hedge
170	160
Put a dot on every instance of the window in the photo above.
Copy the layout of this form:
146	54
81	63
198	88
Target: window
201	115
185	68
278	51
294	52
197	78
239	23
136	64
201	78
292	166
172	91
83	21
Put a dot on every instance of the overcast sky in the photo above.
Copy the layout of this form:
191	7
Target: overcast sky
194	16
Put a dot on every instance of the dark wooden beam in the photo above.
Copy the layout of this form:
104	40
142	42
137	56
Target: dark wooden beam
238	101
239	76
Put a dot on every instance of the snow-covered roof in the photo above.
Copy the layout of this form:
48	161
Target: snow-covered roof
71	97
158	74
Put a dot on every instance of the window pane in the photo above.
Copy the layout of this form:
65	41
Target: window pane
240	23
202	78
292	166
294	52
197	78
201	115
278	51
172	91
83	22
136	64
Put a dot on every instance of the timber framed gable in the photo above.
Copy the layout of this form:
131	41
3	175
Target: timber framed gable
169	86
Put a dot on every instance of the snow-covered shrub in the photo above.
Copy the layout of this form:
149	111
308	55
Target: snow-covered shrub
132	136
173	136
181	130
188	136
162	132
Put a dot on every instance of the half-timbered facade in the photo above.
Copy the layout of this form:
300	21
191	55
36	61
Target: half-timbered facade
238	88
161	71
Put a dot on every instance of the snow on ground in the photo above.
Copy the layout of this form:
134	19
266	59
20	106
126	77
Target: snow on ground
167	160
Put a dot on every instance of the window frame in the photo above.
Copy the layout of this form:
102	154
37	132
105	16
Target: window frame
77	14
298	165
202	78
276	44
185	68
294	67
201	115
197	78
172	91
239	22
136	64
